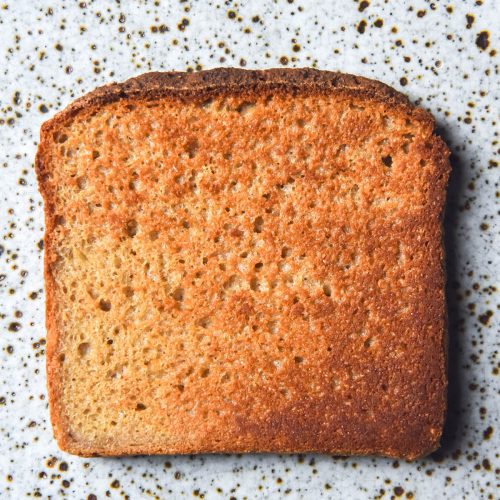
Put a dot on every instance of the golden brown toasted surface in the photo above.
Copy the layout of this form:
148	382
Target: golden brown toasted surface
245	261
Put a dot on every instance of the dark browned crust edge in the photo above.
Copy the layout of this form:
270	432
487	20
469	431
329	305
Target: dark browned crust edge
196	87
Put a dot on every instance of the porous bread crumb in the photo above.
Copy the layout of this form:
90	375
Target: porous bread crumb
245	268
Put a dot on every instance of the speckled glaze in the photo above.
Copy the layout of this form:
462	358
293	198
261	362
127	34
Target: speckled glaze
443	55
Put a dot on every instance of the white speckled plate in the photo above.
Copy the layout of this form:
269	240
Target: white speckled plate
443	55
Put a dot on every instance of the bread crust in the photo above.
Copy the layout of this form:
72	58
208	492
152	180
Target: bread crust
203	86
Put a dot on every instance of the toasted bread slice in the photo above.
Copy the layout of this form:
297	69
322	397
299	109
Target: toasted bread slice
244	261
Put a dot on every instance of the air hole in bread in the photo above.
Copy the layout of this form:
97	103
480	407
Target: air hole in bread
356	107
153	235
368	343
409	139
60	138
204	372
400	253
128	291
272	326
254	284
178	294
327	290
387	160
258	266
60	220
105	305
83	349
245	108
192	147
132	227
232	282
140	407
206	105
258	224
95	154
81	182
204	322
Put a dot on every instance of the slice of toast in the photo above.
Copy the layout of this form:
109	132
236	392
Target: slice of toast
242	261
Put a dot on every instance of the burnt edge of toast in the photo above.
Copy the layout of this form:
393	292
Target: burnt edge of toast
196	87
234	81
